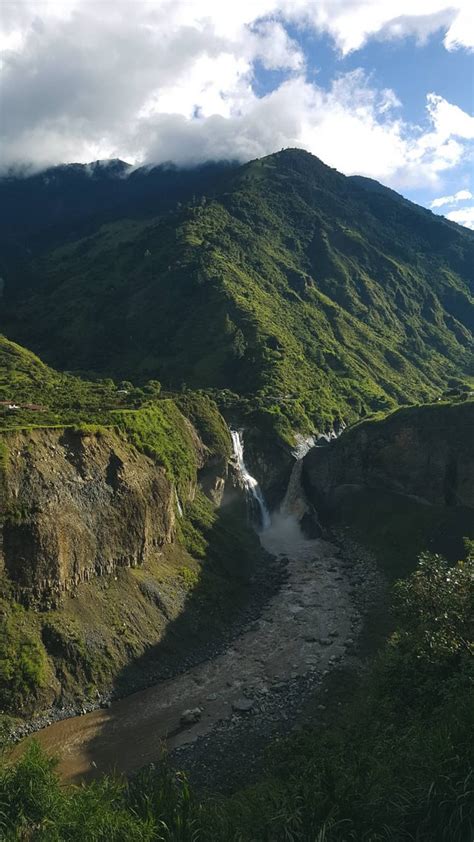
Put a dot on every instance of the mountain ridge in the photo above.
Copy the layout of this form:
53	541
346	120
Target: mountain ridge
284	279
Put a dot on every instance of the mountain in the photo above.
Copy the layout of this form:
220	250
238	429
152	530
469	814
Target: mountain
310	295
402	482
65	202
297	298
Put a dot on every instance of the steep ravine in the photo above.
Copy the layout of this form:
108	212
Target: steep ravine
108	579
257	686
79	505
309	627
425	452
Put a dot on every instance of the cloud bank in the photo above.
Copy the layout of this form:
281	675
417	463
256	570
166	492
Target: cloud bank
460	196
154	80
463	216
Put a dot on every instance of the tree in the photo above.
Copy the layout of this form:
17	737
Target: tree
435	606
153	388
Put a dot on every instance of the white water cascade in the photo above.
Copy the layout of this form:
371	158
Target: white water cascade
294	503
178	504
249	483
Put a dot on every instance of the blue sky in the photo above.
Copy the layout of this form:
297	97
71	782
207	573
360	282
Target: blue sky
375	87
409	68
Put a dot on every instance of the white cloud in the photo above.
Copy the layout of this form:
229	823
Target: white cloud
463	216
460	196
174	80
353	22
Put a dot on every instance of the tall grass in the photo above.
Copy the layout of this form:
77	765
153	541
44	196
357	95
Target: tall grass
393	765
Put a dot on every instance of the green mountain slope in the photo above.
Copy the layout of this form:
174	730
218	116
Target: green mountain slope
32	393
314	294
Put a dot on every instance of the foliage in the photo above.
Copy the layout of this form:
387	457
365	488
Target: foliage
203	413
3	455
311	295
434	607
200	517
161	431
389	765
57	398
24	667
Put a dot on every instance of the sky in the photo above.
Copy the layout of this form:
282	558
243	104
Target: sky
375	87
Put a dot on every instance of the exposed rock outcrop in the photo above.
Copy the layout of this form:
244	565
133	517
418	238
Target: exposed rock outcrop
424	451
78	504
270	461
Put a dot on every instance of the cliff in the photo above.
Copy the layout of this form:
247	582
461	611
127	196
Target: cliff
115	568
422	451
78	504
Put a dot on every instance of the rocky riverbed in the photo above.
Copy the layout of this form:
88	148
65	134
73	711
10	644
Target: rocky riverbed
256	688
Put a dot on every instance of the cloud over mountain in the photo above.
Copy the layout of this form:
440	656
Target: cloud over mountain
156	81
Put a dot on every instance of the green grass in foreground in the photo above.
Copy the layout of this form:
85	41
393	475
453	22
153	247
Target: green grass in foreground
395	763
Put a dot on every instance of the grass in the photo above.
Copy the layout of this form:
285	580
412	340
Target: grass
24	666
393	763
309	295
161	432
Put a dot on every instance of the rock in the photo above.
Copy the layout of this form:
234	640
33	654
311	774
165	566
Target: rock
243	705
212	697
325	641
190	716
409	453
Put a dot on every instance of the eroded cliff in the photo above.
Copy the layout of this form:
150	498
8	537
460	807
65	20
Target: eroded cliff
79	504
423	451
114	564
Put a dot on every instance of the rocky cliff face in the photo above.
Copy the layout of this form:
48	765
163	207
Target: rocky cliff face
426	452
76	505
270	461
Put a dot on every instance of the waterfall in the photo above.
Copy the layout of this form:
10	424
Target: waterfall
294	503
178	504
249	483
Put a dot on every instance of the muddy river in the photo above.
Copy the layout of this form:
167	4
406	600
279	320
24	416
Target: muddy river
305	630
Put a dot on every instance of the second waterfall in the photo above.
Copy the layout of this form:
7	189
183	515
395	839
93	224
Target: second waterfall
249	483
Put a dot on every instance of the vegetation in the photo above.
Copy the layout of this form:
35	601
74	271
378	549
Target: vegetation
186	597
291	297
203	413
394	764
312	295
45	397
24	667
160	431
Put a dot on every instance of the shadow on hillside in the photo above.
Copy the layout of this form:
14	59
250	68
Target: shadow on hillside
396	529
237	578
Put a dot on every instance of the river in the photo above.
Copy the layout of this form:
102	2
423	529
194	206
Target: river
308	628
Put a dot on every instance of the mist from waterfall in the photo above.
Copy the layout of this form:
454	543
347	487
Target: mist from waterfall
249	483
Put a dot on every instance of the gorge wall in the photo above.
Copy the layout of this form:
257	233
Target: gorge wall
423	451
78	504
117	564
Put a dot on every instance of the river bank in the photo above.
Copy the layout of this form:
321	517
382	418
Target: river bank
257	687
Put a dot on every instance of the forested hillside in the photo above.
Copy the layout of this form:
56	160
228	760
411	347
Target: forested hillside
317	295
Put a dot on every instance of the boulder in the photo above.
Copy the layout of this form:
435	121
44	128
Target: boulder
242	705
190	716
